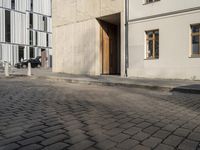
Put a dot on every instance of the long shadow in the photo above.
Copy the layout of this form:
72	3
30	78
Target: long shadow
192	89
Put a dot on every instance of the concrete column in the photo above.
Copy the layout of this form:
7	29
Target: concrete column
6	69
29	69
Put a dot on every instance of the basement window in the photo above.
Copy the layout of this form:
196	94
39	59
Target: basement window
195	38
152	44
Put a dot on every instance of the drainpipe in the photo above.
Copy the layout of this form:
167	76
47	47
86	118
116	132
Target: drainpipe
126	38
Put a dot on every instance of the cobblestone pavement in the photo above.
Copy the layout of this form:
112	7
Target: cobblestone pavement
36	114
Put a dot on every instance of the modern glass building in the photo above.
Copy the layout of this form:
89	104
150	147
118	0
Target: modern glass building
25	30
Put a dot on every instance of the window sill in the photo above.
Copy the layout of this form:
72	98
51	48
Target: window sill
151	59
151	2
194	56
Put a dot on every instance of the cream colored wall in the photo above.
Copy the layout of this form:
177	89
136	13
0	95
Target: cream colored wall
174	61
76	34
137	8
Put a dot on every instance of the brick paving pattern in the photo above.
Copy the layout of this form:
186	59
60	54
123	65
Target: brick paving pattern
36	114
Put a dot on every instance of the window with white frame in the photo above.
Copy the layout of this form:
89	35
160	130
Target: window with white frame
150	1
195	39
152	44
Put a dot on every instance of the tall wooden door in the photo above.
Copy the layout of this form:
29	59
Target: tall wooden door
105	52
109	48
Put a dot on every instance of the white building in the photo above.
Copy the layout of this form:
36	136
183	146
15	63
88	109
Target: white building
164	39
25	30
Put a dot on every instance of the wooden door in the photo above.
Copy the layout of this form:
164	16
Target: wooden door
106	53
109	48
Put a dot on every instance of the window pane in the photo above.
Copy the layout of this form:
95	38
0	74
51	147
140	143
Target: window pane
150	48
31	5
31	52
157	49
195	45
7	26
13	4
21	53
157	44
195	28
31	37
47	40
30	21
150	34
36	38
45	23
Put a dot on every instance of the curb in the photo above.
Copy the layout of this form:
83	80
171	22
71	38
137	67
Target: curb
132	85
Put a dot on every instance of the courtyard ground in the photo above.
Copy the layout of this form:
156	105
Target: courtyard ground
41	114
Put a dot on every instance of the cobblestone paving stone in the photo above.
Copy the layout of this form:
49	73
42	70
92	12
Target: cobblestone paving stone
37	114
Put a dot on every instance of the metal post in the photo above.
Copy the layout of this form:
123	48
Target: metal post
6	69
29	69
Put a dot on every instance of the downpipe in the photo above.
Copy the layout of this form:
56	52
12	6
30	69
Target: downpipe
126	38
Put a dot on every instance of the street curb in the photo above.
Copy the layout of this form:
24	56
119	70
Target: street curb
131	85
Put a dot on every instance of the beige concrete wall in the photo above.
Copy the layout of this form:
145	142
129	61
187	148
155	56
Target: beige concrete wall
174	58
76	34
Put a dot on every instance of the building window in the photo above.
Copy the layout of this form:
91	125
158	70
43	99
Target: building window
47	40
12	4
195	40
7	26
152	44
21	53
45	23
31	37
36	38
150	1
31	21
31	50
31	5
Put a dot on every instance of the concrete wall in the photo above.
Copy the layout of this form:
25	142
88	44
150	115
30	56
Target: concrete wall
174	58
76	34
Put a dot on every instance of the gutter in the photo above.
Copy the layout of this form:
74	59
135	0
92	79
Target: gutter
126	38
